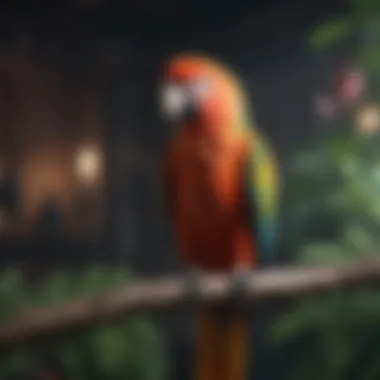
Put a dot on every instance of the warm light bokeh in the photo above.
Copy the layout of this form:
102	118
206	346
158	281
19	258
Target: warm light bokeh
368	119
88	164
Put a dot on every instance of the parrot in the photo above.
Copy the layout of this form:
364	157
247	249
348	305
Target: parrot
220	187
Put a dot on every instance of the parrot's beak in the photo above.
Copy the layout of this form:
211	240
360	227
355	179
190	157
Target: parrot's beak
176	103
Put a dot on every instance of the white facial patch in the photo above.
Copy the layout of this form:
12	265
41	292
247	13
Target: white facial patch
173	101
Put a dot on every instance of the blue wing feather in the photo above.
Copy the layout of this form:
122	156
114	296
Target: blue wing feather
262	197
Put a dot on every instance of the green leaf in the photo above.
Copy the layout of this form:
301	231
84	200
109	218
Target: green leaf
330	33
365	8
12	291
359	240
369	57
322	253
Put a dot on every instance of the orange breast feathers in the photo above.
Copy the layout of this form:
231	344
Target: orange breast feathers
204	192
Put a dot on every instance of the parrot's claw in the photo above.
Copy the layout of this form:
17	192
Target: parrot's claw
193	289
240	289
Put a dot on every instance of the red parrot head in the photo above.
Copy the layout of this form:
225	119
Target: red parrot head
199	91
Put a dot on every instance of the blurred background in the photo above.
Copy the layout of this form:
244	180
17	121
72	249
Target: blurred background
80	140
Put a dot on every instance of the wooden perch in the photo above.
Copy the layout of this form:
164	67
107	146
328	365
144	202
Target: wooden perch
170	292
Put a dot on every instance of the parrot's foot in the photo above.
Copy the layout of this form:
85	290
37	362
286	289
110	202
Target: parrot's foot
193	290
240	285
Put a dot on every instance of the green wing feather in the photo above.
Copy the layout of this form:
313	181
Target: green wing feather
262	196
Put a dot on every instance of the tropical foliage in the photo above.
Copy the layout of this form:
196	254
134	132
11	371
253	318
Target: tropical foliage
333	211
129	349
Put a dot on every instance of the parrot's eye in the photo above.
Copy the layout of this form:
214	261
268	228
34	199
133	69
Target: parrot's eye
200	86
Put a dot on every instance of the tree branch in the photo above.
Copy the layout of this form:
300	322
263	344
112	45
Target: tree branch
169	292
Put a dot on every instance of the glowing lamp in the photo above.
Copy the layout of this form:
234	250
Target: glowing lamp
88	164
